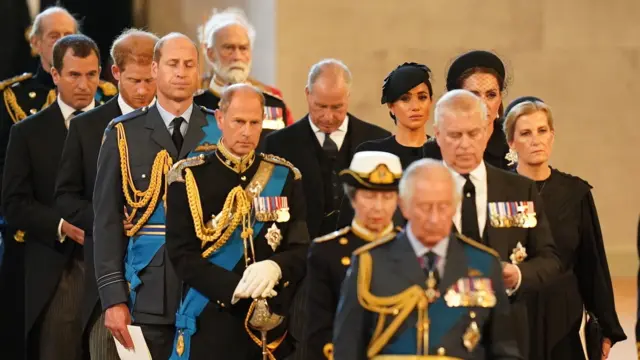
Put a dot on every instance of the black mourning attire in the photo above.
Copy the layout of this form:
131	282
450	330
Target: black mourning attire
556	311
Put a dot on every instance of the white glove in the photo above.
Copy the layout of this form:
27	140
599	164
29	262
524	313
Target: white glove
258	281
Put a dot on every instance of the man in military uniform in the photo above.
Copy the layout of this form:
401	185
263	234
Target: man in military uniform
228	38
426	293
242	251
53	252
500	209
26	94
132	53
371	185
134	276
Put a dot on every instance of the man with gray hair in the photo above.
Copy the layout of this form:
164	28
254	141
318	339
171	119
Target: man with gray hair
500	209
244	247
321	145
228	39
445	291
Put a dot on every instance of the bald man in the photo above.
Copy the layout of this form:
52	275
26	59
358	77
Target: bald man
134	276
448	289
260	254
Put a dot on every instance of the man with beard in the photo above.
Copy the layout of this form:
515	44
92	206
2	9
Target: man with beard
228	38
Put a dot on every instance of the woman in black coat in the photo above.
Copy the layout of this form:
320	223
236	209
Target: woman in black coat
484	74
585	284
408	94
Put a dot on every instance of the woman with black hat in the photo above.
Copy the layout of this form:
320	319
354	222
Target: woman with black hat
484	74
371	185
408	94
558	310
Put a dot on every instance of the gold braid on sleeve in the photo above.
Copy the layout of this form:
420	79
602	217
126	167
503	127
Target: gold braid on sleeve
15	111
400	306
236	211
140	199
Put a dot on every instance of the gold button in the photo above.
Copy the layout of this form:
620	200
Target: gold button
396	311
221	304
441	351
346	261
33	111
243	178
286	284
468	195
472	315
218	302
344	241
32	94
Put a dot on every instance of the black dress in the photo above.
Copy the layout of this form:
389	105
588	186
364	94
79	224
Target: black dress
556	311
407	154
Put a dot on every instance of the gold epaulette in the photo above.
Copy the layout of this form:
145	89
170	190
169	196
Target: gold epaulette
175	174
6	83
375	244
280	161
108	89
264	88
333	235
478	245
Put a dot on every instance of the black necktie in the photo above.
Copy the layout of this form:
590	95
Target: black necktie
77	112
177	134
430	261
469	211
330	147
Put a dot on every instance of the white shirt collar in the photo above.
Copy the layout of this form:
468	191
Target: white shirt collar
342	128
420	249
477	174
67	110
126	108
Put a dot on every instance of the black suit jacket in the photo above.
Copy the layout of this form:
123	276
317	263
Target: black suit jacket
33	155
74	184
147	135
542	263
294	143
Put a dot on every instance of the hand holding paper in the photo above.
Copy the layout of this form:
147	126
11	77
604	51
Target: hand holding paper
139	350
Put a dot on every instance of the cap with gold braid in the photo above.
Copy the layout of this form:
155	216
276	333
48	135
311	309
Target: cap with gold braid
373	170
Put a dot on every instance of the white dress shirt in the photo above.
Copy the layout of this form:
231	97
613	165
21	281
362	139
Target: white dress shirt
67	111
67	115
478	177
337	136
421	250
126	108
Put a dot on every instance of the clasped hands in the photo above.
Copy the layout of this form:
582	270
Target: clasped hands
258	281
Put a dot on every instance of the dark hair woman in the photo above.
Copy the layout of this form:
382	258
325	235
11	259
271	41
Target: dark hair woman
484	74
408	94
558	310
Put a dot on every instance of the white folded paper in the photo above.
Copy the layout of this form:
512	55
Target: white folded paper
140	349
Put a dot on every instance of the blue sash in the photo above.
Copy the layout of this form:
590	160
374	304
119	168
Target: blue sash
442	317
211	134
226	257
142	248
144	245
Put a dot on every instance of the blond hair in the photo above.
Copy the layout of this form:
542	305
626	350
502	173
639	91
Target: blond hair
525	108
